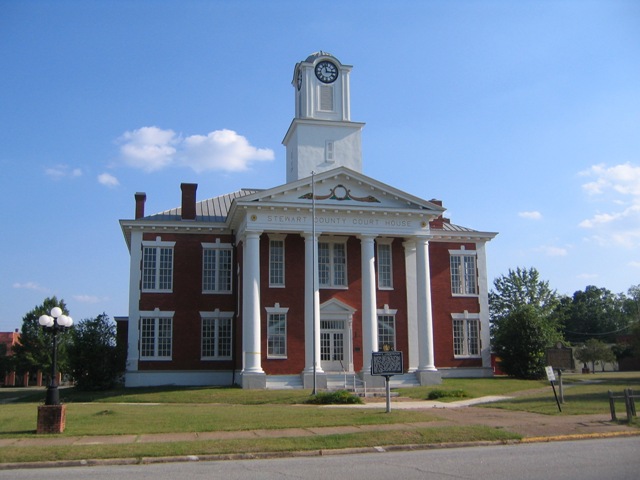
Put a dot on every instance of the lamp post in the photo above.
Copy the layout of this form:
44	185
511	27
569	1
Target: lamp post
56	322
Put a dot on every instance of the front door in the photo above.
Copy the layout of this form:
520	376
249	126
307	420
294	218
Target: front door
332	336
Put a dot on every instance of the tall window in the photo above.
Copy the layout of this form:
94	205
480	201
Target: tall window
385	267
386	332
216	267
332	264
276	261
157	266
463	273
277	332
466	334
216	335
156	337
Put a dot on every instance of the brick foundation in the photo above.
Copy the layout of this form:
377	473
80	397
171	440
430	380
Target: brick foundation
51	418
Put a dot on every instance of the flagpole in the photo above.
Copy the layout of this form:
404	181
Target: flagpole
313	272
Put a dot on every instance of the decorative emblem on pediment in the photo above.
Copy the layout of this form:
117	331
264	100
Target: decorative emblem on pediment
341	193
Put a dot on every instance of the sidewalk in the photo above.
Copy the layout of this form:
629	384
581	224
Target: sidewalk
531	426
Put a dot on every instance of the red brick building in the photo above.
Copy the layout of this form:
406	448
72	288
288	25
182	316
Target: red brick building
302	282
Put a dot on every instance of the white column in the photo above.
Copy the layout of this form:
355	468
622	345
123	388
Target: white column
135	273
483	297
251	303
369	311
426	360
412	311
311	305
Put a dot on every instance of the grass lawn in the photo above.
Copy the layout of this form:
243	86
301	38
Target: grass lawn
175	410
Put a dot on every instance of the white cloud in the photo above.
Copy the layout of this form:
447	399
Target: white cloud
619	188
59	172
29	286
530	215
552	251
221	150
623	179
152	149
634	264
86	298
108	180
148	148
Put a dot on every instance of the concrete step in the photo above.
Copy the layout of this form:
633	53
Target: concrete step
284	382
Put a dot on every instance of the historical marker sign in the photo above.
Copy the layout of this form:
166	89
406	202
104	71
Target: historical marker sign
386	363
560	357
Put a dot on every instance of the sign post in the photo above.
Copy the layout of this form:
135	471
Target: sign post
552	378
387	364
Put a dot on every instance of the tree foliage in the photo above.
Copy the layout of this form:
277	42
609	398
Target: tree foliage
595	351
523	324
595	313
34	351
520	341
518	288
96	361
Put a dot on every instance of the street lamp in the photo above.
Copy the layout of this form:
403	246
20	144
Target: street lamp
56	322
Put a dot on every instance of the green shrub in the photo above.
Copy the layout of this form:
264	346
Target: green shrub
332	398
438	393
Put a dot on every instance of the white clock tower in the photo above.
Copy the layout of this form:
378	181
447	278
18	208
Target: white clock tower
322	135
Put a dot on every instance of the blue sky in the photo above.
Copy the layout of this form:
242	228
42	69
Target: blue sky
523	117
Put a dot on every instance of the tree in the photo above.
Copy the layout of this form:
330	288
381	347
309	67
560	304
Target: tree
34	351
520	341
96	362
518	288
595	351
523	324
595	313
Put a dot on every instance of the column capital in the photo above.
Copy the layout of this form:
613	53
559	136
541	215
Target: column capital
367	236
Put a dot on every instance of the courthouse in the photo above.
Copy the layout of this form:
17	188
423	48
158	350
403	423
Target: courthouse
299	284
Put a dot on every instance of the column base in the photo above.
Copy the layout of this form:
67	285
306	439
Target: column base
321	380
51	419
254	381
429	377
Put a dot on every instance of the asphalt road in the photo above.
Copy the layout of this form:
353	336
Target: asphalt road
611	459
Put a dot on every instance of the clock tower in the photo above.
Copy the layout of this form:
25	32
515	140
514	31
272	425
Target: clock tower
322	135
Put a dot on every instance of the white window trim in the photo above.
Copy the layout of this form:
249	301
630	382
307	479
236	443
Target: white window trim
386	311
333	241
217	246
157	244
329	151
276	309
466	317
155	315
464	253
278	238
216	315
385	241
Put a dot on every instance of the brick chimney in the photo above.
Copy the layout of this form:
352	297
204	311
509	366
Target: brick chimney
188	200
141	197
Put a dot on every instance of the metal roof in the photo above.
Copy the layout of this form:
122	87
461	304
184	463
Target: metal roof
213	209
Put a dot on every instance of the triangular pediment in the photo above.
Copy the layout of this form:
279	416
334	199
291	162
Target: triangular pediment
336	307
340	188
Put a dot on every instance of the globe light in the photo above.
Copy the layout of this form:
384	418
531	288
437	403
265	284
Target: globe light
57	322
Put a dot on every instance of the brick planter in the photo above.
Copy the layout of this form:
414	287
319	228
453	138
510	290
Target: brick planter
51	418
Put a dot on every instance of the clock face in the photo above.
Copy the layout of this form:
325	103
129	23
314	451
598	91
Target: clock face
326	72
299	79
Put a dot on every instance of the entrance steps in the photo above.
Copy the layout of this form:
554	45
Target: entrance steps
284	382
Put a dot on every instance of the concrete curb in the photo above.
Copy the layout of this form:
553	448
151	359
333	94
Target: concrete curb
305	453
